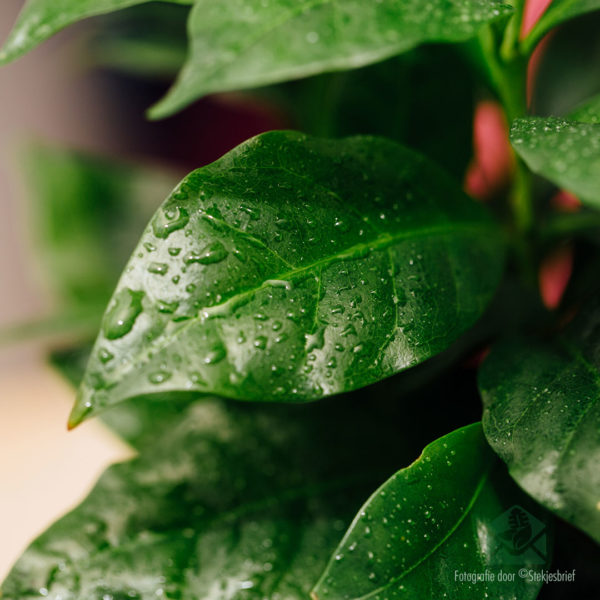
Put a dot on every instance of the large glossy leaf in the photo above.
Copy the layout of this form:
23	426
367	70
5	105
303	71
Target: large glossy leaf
242	44
564	151
137	422
558	12
291	269
442	516
233	501
542	416
41	19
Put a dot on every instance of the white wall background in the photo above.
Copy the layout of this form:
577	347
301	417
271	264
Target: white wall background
44	470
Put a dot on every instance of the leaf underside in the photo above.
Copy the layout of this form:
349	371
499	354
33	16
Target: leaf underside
41	19
291	269
542	416
243	44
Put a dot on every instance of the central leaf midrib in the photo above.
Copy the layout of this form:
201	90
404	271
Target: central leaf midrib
451	531
381	242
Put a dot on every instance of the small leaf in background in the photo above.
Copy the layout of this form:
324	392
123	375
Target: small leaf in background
588	112
560	68
542	416
565	152
295	268
231	501
241	44
558	12
148	41
41	19
88	213
454	510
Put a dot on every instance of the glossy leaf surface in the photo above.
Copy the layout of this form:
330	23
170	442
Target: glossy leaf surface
442	515
233	501
137	422
542	416
291	269
41	19
565	152
242	44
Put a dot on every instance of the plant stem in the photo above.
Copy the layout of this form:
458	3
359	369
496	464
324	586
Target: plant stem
508	72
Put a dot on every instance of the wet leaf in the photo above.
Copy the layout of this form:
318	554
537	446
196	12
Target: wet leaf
542	416
242	44
291	269
564	151
232	501
41	19
139	421
453	511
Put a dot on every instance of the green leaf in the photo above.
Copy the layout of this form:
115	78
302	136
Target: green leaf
233	501
542	416
565	152
564	79
446	514
243	44
589	112
137	422
147	41
295	268
41	19
558	12
88	213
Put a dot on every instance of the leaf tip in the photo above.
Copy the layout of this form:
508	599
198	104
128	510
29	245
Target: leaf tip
159	110
5	57
80	412
314	595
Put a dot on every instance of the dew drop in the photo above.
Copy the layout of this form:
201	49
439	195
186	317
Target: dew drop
158	268
212	253
217	354
316	340
170	221
159	377
120	318
260	342
167	307
104	355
